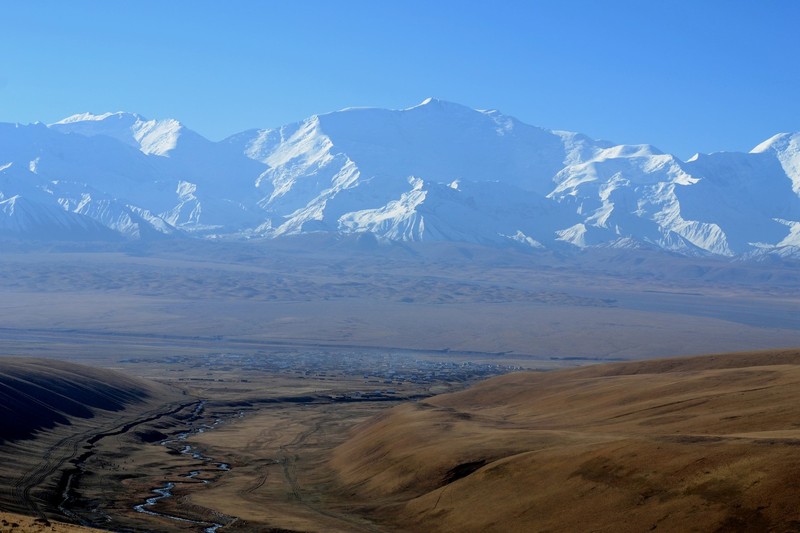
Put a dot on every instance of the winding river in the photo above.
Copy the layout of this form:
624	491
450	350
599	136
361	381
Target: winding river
165	491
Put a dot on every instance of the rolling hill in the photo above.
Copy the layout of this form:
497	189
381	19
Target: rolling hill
702	444
39	394
53	414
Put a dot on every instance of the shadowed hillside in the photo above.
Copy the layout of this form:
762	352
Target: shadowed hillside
54	416
704	444
37	394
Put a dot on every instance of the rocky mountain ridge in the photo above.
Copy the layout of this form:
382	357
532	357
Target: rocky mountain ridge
437	171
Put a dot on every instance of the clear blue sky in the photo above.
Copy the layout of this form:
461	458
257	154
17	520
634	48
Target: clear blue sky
683	75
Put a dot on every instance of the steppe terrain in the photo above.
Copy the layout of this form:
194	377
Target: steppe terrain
54	415
202	440
699	444
297	386
15	523
705	443
536	307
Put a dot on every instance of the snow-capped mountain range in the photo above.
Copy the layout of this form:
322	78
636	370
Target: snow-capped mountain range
435	171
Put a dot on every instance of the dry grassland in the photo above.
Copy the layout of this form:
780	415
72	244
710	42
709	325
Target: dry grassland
699	444
16	523
55	412
257	332
690	444
279	479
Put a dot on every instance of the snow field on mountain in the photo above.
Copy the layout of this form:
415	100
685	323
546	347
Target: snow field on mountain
435	171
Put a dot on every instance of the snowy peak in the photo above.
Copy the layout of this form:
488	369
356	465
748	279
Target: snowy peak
443	141
778	143
628	150
428	101
89	117
156	137
786	147
435	171
432	104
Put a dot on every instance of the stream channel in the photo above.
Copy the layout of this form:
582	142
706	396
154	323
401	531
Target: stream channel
178	443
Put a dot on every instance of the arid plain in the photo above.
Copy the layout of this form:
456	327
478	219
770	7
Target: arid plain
293	387
607	304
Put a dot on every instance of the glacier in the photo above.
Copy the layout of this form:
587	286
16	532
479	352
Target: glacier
436	171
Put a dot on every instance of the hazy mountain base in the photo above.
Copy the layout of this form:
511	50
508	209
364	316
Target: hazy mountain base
538	309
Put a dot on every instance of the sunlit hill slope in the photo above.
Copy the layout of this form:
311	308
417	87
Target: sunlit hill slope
696	444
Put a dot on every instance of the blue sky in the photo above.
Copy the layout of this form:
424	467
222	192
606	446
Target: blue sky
685	76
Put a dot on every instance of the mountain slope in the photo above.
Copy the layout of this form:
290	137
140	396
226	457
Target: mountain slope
435	171
706	443
39	394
